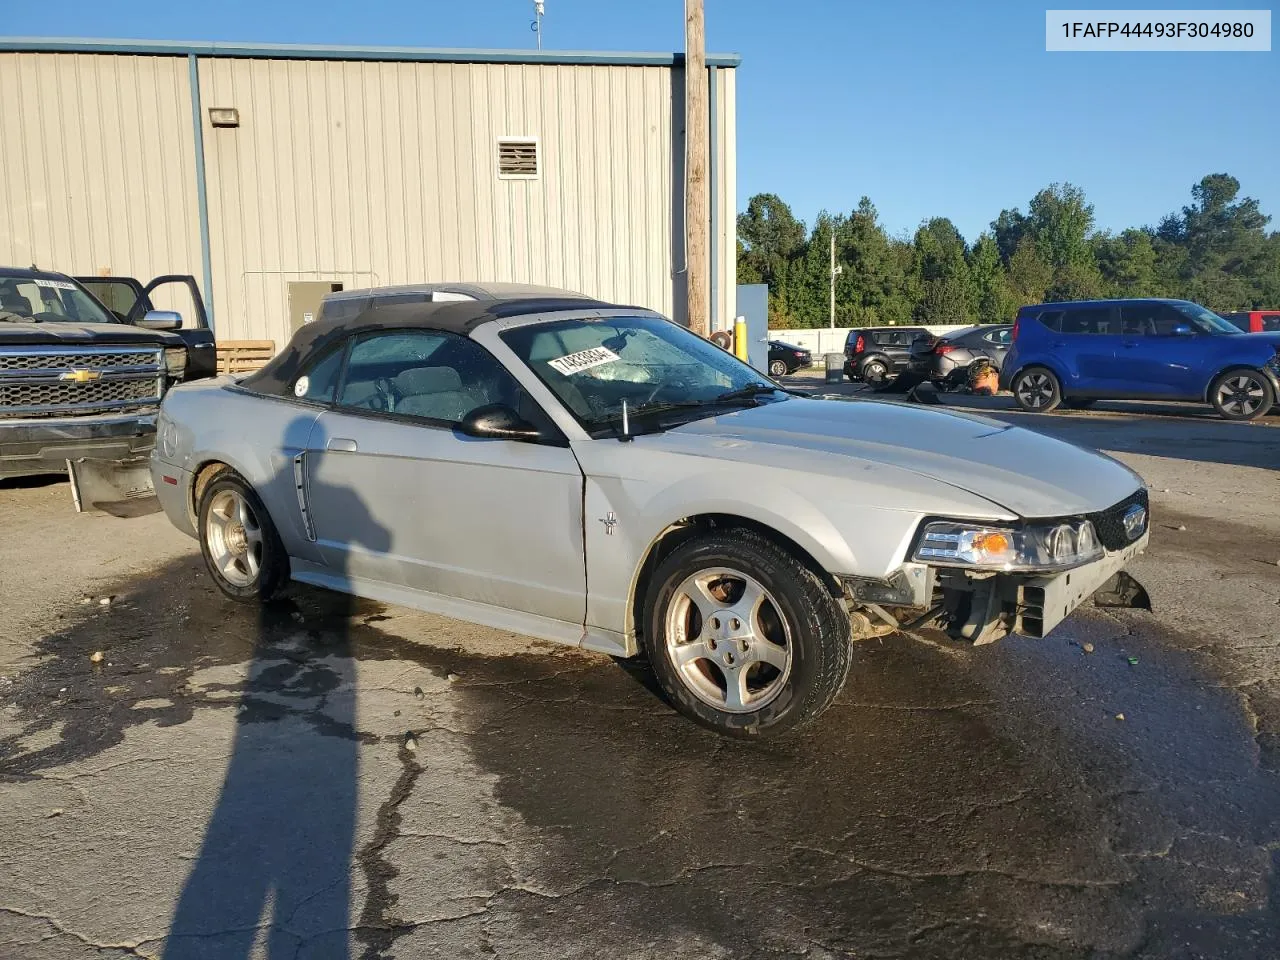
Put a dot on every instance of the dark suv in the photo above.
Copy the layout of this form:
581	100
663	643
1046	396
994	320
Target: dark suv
874	354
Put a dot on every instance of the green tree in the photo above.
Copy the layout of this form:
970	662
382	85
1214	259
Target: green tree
1029	274
871	285
1127	264
946	295
993	300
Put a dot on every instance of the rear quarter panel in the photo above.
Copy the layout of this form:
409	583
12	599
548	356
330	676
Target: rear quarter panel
212	421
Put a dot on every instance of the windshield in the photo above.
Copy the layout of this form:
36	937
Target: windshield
593	364
1203	320
45	300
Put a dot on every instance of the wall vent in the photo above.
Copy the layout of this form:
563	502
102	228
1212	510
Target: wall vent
519	158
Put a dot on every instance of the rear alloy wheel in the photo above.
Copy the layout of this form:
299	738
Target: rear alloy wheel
1241	394
777	368
875	373
743	637
239	542
1037	390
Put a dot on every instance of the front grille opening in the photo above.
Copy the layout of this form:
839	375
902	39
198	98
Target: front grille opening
55	398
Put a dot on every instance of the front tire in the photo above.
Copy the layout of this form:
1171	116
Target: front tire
1037	390
744	638
240	545
1241	394
778	369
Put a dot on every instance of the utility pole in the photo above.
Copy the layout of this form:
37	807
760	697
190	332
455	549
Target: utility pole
834	272
697	204
539	11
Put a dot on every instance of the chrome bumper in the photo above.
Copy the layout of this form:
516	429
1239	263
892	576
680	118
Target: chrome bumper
44	445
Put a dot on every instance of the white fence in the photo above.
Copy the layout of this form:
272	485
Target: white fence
820	340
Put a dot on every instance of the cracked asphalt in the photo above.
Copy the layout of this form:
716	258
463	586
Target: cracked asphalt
328	778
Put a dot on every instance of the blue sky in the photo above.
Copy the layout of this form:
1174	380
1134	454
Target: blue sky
929	108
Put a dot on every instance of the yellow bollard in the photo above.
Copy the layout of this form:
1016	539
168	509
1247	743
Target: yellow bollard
740	338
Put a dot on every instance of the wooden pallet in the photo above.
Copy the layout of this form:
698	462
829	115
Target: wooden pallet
244	356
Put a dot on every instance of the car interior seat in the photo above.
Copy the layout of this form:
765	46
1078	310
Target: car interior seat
434	392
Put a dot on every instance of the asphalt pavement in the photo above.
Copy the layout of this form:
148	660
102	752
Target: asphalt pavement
182	776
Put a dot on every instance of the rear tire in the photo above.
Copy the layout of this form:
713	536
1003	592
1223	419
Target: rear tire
1241	394
240	545
744	638
1037	390
778	369
875	373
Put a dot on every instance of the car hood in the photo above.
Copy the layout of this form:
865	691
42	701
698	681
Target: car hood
60	333
1026	473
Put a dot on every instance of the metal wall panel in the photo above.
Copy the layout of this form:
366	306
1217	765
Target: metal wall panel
724	243
97	170
379	173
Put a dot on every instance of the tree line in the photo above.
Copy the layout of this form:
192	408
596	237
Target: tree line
1215	251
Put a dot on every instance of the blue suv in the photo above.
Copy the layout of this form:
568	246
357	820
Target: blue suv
1075	353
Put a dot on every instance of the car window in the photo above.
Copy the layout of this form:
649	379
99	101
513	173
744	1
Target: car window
343	309
1238	320
1144	320
1095	320
1052	319
998	337
319	379
1271	322
117	296
425	373
49	300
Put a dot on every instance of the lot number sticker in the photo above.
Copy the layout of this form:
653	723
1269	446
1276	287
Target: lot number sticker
582	360
55	284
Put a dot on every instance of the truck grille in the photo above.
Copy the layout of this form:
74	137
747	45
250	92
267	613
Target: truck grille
62	381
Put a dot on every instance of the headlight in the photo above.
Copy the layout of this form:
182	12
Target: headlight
1054	546
175	361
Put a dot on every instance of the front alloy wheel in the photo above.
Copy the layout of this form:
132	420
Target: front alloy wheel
728	643
742	635
1241	395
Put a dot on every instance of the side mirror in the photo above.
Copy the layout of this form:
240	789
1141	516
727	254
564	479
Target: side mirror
1183	330
497	421
161	320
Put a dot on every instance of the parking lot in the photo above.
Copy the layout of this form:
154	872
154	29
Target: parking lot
334	778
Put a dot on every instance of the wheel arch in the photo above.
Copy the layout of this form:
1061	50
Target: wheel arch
694	525
1252	368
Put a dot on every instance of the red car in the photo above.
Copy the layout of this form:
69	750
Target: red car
1256	321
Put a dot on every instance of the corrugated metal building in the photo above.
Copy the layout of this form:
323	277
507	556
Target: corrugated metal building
357	166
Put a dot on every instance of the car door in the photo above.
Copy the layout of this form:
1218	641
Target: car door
1087	346
497	522
1168	352
994	344
130	301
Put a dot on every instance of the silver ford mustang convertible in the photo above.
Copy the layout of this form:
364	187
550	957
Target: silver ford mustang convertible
599	476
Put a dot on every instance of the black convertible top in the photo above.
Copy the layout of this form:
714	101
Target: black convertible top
452	316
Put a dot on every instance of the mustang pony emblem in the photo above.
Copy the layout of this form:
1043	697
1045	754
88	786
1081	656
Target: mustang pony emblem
80	376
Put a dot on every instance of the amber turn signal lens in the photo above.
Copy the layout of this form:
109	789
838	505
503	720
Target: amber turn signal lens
992	544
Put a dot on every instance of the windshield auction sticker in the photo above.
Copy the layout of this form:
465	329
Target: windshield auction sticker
54	284
582	360
1124	31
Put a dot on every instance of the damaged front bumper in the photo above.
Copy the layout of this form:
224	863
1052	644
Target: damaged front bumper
30	447
984	607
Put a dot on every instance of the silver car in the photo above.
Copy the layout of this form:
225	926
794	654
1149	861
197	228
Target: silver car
599	476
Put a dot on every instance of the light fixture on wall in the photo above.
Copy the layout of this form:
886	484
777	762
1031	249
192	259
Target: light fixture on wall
224	116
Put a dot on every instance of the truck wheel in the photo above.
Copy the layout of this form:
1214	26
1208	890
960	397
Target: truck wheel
239	542
743	637
1037	390
1241	394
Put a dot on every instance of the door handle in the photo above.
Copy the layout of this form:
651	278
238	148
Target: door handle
1058	343
342	445
1129	344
